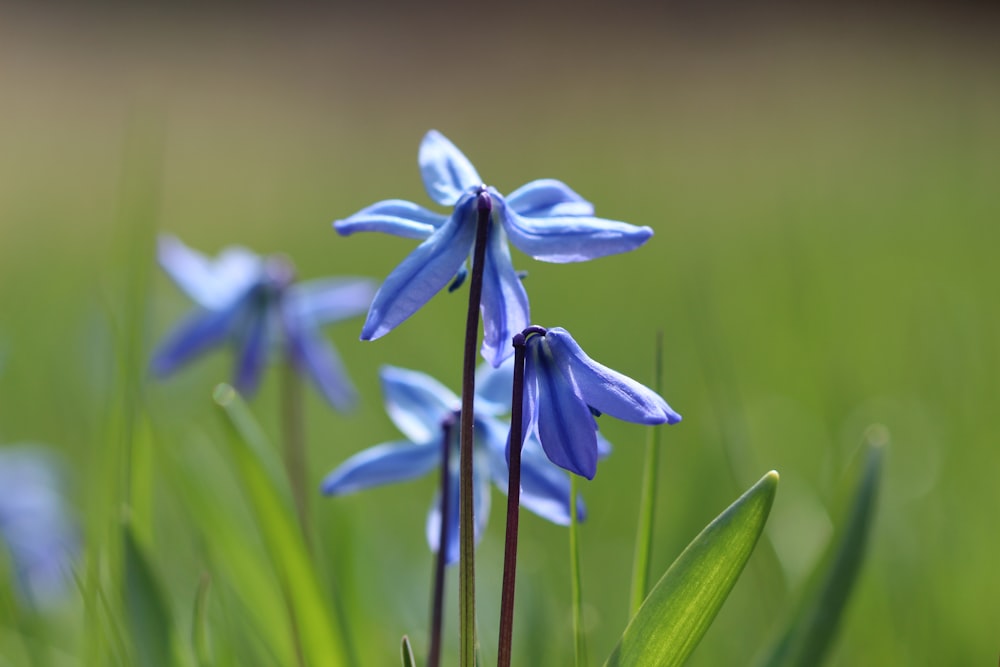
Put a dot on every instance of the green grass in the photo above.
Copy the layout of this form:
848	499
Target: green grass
824	259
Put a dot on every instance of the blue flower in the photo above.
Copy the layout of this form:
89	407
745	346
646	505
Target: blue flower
254	303
35	525
419	405
563	391
544	219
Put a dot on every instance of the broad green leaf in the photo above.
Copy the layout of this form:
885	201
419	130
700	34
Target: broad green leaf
259	471
407	650
682	605
149	617
811	630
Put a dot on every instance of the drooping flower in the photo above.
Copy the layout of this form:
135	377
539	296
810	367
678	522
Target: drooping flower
419	406
35	524
254	304
563	391
544	219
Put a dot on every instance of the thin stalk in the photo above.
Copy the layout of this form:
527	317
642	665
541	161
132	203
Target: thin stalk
647	501
293	436
579	645
437	604
513	508
467	565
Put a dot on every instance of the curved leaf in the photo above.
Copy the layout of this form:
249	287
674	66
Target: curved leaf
259	472
814	625
681	607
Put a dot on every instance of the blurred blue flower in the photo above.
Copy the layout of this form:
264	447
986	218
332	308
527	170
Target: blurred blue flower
35	526
563	391
419	405
254	303
544	219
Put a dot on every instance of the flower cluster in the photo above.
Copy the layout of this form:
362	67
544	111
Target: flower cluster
565	389
423	410
544	219
254	303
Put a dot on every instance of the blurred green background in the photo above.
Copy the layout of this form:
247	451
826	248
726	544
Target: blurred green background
825	192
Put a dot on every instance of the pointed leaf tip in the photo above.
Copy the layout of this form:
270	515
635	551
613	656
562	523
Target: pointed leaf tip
223	394
681	607
407	653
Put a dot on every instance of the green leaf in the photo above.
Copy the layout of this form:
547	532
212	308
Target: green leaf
408	659
259	472
812	628
681	607
149	616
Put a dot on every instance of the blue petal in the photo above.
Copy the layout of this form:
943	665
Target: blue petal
212	284
566	239
252	354
393	216
382	464
315	356
545	488
494	388
447	173
330	299
423	273
416	402
548	197
195	335
565	425
607	390
504	301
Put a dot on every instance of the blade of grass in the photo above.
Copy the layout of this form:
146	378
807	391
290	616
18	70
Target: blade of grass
647	502
407	651
812	629
112	473
233	547
150	622
269	495
681	607
200	639
579	643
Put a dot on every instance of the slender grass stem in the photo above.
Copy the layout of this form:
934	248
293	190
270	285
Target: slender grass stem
579	645
437	596
293	435
467	565
513	508
647	501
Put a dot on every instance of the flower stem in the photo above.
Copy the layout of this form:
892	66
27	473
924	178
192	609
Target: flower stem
467	565
293	435
579	645
513	507
647	502
437	605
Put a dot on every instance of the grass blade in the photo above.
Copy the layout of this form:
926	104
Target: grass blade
149	617
200	639
407	651
647	502
260	473
681	607
812	629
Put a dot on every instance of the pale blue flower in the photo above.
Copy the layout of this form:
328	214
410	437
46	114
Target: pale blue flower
563	391
254	304
35	525
419	405
544	219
